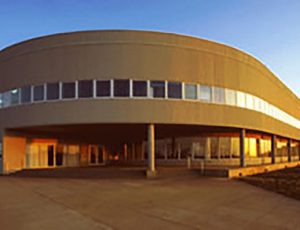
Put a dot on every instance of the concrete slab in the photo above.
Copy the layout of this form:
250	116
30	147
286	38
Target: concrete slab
164	203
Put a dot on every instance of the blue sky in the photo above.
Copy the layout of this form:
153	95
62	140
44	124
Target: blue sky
267	29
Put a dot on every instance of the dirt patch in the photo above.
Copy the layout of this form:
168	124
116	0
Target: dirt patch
285	181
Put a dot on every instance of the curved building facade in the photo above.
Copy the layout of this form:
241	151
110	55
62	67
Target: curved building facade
137	97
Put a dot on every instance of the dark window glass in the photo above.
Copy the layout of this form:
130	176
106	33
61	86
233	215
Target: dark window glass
174	90
121	88
68	90
26	94
38	93
139	88
157	89
14	96
103	88
52	91
85	89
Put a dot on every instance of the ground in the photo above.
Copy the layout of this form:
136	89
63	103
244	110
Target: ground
189	202
286	181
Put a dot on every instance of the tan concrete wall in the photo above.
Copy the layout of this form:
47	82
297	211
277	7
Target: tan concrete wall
14	150
141	55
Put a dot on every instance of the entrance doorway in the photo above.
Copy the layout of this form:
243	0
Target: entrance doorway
96	154
50	155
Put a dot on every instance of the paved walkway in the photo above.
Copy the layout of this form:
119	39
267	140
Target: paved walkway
172	203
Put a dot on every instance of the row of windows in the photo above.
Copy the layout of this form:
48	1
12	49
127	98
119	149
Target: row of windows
142	89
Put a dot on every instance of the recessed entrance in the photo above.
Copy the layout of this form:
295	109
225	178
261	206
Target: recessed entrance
50	155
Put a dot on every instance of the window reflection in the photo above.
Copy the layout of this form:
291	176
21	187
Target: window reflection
68	90
174	90
218	95
230	97
241	99
205	93
190	91
103	88
38	93
139	88
14	96
26	94
53	91
121	88
157	89
85	89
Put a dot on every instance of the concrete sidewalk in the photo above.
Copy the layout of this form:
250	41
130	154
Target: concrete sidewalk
169	203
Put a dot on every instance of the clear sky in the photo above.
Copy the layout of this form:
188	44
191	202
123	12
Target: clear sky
267	29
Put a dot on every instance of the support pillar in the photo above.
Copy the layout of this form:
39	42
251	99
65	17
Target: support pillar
207	148
151	172
273	149
289	150
242	147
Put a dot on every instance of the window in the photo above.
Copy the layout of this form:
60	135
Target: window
241	100
1	101
121	88
53	91
230	97
205	93
14	96
68	90
174	90
249	101
218	95
26	94
190	91
103	88
85	89
139	88
38	93
6	99
157	89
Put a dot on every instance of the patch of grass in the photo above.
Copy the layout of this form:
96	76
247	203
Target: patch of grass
285	181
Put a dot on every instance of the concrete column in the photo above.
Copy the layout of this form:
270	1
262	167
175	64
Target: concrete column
242	147
273	149
207	149
179	151
289	149
151	152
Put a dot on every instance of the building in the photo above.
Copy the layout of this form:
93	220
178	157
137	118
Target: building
138	97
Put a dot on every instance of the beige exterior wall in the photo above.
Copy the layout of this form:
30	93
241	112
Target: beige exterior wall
140	55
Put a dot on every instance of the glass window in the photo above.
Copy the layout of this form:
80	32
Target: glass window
53	91
68	90
174	90
14	96
38	93
26	94
139	88
190	91
85	89
230	97
6	99
1	101
249	101
218	95
157	89
103	88
121	88
241	101
205	93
